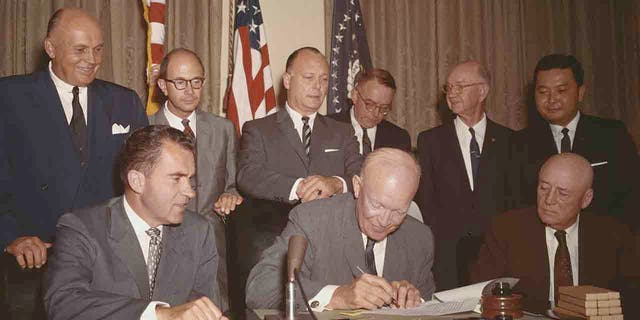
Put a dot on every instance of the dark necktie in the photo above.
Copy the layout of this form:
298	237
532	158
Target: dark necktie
565	143
153	259
369	257
562	273
78	127
187	129
306	134
366	143
474	150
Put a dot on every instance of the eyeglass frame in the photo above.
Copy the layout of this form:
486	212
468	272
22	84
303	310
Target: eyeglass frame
461	87
377	108
190	82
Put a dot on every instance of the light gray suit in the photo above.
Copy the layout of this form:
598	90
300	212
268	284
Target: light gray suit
98	269
336	249
216	147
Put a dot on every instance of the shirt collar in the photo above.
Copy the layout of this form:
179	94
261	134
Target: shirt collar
572	125
139	225
570	230
176	121
480	128
296	117
60	84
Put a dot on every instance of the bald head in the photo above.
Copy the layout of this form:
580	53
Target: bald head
564	189
65	17
391	166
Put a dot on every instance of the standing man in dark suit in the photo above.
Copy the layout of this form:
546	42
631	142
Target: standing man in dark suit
559	88
372	98
558	243
464	176
346	237
139	256
181	80
60	132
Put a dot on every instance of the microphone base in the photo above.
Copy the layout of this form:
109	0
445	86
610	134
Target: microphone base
298	316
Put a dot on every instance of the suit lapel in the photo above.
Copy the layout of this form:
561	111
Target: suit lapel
488	156
452	145
352	239
286	127
580	137
380	135
319	134
98	124
205	144
394	252
123	240
173	252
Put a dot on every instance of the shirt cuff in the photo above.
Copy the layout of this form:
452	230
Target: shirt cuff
320	301
344	184
150	312
293	196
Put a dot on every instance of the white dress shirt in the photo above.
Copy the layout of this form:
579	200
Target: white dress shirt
371	132
176	122
556	131
65	93
464	139
297	124
552	246
139	228
323	297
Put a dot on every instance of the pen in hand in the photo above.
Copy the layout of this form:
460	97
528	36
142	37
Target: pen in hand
393	300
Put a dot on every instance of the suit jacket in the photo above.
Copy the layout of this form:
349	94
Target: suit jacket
334	251
458	215
98	269
387	133
515	246
41	176
272	156
616	182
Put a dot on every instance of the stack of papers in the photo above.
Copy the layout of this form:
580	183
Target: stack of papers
589	302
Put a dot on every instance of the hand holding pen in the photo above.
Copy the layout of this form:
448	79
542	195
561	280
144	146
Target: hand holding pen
366	291
405	295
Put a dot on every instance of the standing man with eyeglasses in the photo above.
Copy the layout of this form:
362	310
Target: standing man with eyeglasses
372	98
181	80
464	174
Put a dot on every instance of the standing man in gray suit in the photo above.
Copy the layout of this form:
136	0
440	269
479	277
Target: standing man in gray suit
371	234
139	256
181	80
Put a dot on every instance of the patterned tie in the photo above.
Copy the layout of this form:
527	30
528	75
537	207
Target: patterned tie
474	150
155	250
187	129
565	143
369	257
562	273
366	143
78	127
306	134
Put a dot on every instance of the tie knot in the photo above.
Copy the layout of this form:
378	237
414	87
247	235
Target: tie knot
185	122
305	120
75	91
564	131
561	236
473	132
153	232
370	243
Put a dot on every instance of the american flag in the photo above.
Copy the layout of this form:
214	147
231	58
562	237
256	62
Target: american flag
349	52
154	15
251	93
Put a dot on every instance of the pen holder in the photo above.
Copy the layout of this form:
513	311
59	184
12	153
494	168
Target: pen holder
502	302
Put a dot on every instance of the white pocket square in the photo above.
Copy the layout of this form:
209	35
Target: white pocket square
595	164
118	129
331	150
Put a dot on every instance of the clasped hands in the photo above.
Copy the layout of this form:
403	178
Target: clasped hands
29	251
318	187
372	292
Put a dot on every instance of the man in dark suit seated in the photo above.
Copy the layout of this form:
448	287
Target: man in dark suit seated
558	243
371	234
139	256
60	132
464	174
559	89
372	97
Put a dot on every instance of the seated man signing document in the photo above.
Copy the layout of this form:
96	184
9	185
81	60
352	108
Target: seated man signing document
363	252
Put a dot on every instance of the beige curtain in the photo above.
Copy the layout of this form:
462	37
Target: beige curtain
193	24
420	40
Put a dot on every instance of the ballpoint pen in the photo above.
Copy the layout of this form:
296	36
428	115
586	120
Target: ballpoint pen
393	300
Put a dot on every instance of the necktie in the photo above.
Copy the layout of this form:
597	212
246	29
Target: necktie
187	129
369	257
366	143
562	273
306	134
565	143
78	127
153	259
474	150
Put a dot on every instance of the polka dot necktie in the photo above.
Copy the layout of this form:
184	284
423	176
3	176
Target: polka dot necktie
155	250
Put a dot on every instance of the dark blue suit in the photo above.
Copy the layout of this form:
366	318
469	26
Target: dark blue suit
41	176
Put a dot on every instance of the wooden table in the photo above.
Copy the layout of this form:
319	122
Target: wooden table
333	314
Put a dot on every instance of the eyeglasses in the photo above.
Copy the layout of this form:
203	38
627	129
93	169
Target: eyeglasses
457	88
371	106
181	84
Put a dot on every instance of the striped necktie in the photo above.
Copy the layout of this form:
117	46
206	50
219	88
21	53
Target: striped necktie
306	134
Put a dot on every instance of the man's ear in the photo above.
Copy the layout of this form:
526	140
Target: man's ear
162	84
581	90
49	47
357	185
484	91
136	181
286	78
586	198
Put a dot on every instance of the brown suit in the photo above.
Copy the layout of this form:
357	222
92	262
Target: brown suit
515	246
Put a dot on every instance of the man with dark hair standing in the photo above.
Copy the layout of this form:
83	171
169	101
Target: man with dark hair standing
372	98
605	143
464	174
141	255
60	131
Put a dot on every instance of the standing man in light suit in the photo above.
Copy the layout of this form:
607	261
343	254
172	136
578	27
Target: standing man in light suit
181	80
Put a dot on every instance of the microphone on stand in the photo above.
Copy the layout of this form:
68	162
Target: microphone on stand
295	257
